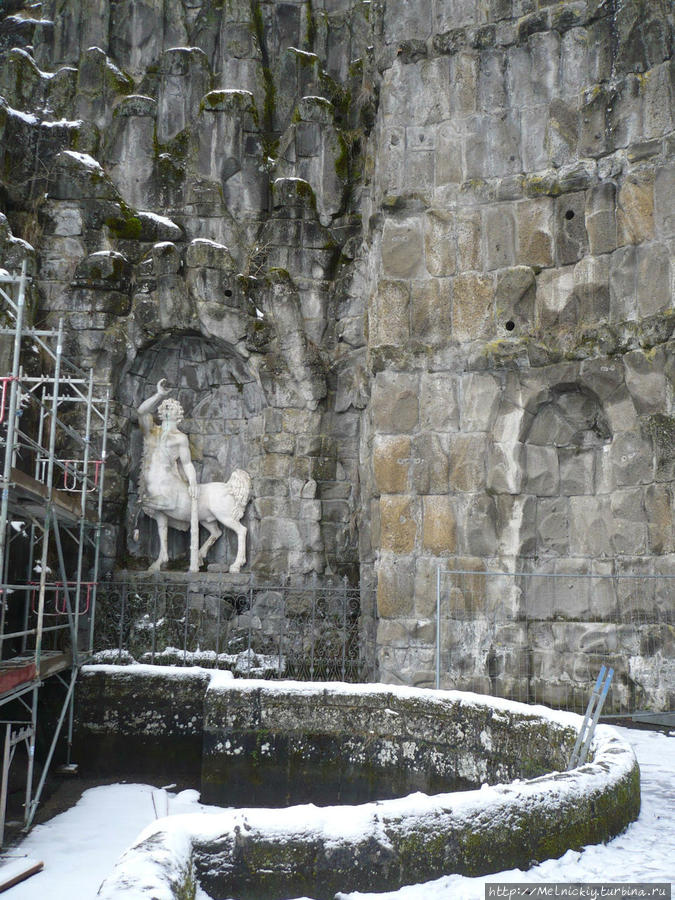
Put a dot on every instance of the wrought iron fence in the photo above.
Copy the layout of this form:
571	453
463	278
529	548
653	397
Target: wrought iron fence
543	637
306	632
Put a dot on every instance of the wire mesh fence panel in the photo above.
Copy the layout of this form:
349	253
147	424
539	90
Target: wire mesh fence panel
309	632
543	637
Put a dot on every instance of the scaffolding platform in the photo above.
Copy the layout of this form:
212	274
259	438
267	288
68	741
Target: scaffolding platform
20	674
29	497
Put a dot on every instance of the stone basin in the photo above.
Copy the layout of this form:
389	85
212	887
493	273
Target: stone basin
523	805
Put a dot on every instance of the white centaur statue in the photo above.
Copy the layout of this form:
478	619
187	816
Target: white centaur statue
169	492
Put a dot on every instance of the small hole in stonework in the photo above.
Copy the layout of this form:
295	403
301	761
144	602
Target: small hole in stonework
569	214
510	325
228	293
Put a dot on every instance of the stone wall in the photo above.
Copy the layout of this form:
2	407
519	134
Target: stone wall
408	263
520	322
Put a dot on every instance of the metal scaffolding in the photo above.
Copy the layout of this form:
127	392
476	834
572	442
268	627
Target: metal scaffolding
53	432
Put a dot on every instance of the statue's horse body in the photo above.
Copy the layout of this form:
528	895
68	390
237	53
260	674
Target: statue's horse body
165	497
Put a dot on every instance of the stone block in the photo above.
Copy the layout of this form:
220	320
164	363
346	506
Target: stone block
552	527
209	254
515	296
395	402
439	242
628	522
448	156
472	306
463	81
504	470
657	104
398	528
662	431
468	229
572	597
562	133
391	461
402	248
623	284
534	240
389	314
631	459
481	395
392	161
491	85
591	288
429	464
439	526
635	209
535	138
601	218
395	587
571	238
468	453
658	499
516	518
542	476
590	526
664	201
555	302
577	471
438	401
646	380
418	174
480	526
492	147
593	118
430	313
624	113
426	568
498	236
653	279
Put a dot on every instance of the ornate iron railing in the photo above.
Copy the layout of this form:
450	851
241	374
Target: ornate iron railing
311	631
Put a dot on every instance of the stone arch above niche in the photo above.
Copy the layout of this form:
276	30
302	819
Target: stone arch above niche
222	403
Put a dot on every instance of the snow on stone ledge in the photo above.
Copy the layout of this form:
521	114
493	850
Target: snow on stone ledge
383	845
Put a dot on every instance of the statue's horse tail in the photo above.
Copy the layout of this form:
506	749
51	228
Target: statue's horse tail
239	486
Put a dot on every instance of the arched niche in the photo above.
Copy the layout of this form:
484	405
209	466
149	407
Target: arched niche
222	403
563	443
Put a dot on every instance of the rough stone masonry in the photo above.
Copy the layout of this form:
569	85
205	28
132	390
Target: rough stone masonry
410	263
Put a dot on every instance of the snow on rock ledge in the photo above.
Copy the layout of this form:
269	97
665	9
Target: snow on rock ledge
277	853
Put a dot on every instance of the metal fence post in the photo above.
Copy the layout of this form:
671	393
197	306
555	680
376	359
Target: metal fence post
344	627
154	625
122	611
438	627
185	627
311	651
250	627
282	619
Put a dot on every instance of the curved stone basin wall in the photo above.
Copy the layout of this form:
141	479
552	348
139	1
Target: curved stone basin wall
271	744
277	853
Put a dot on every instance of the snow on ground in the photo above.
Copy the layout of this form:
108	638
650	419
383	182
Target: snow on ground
79	847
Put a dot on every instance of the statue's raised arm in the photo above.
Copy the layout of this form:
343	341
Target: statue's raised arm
146	409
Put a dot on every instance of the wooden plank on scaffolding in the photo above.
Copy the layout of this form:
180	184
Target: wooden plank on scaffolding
18	870
31	495
16	671
21	669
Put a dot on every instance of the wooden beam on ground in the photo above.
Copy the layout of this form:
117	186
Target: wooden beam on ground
18	870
